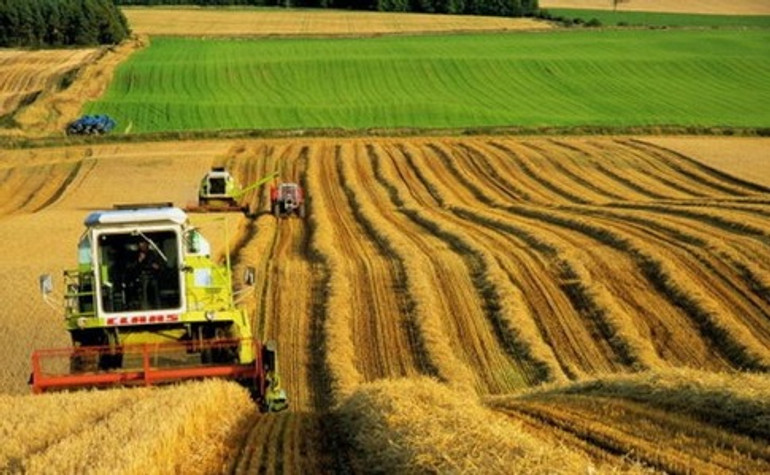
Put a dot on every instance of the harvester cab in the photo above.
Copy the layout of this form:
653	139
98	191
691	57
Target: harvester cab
287	199
147	304
219	192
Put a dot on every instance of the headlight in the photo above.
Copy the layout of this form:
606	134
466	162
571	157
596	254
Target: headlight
81	322
210	315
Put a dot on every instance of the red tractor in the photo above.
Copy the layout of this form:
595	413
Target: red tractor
287	199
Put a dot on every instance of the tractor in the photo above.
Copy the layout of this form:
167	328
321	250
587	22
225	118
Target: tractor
91	125
147	304
287	199
219	192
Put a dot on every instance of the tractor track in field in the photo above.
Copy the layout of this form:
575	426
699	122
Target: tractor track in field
304	439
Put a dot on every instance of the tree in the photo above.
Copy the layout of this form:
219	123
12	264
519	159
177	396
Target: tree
61	22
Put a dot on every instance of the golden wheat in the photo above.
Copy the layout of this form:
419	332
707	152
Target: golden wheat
183	429
419	425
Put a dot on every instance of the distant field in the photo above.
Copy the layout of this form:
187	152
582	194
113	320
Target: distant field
747	158
25	74
711	7
610	18
605	78
191	21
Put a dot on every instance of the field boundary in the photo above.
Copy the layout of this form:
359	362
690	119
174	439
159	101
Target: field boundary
335	132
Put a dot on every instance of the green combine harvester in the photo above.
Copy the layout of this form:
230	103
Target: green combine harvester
148	305
219	192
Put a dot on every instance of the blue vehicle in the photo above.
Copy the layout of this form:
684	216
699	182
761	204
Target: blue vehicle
91	125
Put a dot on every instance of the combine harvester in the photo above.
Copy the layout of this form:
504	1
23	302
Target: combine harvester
147	305
219	192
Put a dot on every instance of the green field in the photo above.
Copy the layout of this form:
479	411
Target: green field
610	18
568	78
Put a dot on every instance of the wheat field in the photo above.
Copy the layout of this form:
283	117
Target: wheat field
710	7
434	274
26	74
205	22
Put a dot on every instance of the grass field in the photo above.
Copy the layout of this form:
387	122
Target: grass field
610	18
573	78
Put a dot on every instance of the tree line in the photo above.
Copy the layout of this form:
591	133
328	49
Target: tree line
46	23
458	7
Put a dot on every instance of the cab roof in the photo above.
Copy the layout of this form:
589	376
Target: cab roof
138	215
218	174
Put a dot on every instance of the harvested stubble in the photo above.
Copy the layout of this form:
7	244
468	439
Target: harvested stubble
511	319
25	74
680	420
182	429
426	282
340	348
419	426
737	400
665	244
50	113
